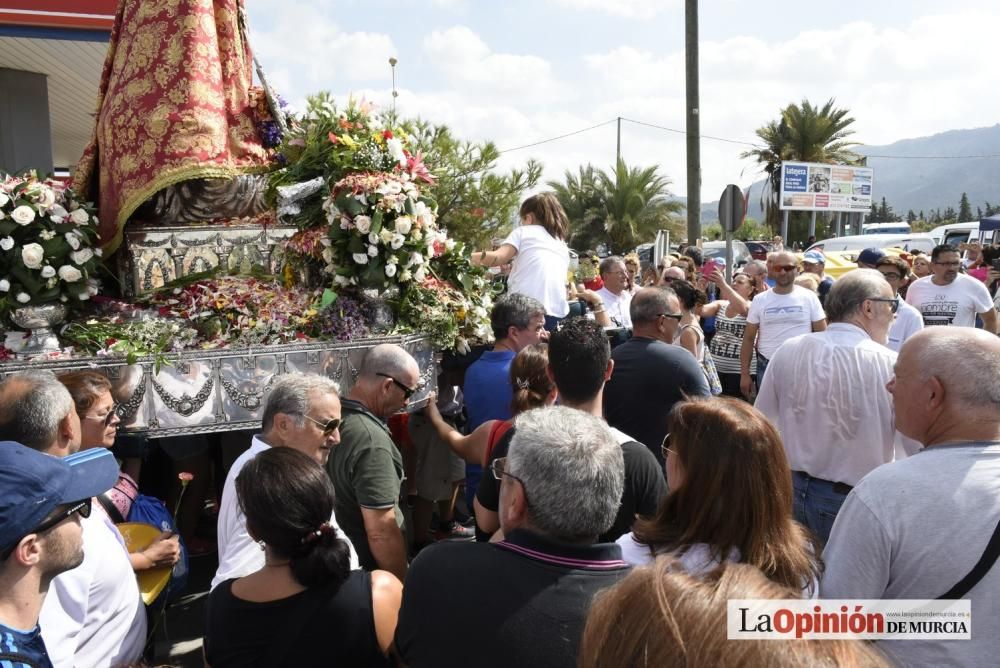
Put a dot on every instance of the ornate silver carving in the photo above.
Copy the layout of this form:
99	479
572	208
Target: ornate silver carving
186	405
250	400
127	409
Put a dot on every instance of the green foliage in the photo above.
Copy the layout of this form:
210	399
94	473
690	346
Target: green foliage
622	208
475	203
802	133
964	210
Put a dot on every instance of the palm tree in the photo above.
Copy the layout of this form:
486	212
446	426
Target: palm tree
579	199
635	204
804	133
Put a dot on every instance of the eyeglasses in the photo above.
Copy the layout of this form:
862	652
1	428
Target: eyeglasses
82	507
893	302
328	427
497	469
676	316
107	418
948	264
784	267
665	447
891	275
407	391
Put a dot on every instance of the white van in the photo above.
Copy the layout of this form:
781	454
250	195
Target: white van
956	233
899	227
908	242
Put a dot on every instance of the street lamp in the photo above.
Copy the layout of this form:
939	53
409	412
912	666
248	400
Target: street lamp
392	65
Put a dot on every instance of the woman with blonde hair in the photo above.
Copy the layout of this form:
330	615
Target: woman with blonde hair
661	616
542	257
730	498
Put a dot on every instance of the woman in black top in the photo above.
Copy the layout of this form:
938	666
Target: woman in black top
305	607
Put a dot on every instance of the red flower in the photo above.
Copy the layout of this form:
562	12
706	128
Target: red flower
110	341
479	212
334	139
387	134
439	248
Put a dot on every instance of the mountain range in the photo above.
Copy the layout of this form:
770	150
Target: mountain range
913	175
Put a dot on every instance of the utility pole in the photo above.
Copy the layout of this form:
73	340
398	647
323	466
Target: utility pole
395	94
618	149
693	123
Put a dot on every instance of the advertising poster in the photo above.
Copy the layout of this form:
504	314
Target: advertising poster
807	186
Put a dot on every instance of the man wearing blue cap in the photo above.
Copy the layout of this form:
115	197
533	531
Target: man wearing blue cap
41	505
814	262
869	258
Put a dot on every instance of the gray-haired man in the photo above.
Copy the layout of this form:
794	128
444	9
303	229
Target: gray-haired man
561	484
302	412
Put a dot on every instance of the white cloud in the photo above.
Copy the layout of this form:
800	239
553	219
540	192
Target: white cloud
632	9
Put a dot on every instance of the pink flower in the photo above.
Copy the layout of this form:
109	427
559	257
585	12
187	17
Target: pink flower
185	477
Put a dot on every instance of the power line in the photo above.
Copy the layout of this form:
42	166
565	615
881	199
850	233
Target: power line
931	157
569	134
660	127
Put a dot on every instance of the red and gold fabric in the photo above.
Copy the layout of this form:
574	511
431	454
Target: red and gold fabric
174	104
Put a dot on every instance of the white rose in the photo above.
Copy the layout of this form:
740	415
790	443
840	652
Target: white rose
404	224
23	215
46	197
72	240
82	256
372	251
373	238
79	217
69	274
390	270
397	241
363	223
341	280
48	271
58	210
7	243
3	199
4	285
360	258
23	297
396	150
32	256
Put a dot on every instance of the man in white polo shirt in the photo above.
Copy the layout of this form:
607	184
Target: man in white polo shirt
783	312
614	294
947	297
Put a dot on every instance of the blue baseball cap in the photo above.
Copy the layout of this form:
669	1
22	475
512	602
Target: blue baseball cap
871	256
34	484
814	257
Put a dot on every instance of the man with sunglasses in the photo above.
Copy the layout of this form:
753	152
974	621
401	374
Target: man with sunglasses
948	297
366	467
303	411
783	312
41	536
825	392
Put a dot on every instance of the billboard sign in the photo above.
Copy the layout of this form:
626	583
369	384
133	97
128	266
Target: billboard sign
808	186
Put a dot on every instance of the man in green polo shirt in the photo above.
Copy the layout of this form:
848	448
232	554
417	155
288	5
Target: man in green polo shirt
366	467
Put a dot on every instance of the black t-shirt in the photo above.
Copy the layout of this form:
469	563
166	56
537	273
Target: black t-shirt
513	603
314	628
645	485
649	378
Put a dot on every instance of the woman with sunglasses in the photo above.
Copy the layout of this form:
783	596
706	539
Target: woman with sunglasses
730	498
91	392
304	606
730	323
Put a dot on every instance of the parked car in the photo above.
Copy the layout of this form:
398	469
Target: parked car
857	242
759	249
717	250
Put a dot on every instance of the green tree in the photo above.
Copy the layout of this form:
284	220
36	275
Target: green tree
579	197
911	217
964	210
475	202
635	203
803	133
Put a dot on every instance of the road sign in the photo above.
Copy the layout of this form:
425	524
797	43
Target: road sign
731	208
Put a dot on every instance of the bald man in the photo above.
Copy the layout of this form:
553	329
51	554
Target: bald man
915	528
785	311
366	467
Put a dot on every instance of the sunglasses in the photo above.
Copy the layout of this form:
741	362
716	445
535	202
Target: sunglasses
407	391
785	267
676	316
82	507
893	302
328	427
107	418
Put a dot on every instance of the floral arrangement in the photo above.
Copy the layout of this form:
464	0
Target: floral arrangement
447	315
142	334
47	243
267	126
240	311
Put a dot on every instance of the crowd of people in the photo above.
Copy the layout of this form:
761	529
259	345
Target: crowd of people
752	438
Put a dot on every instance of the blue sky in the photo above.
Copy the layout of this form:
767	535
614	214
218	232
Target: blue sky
519	72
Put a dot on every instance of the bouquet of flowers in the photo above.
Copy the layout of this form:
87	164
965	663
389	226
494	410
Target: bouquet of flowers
447	315
47	243
141	334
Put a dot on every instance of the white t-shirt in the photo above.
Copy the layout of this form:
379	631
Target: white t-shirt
617	307
540	268
954	304
781	317
239	555
907	323
93	615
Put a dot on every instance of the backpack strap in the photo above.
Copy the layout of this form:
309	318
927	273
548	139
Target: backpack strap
981	568
110	508
497	431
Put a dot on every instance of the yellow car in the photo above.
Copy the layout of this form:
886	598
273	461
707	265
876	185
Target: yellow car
839	263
